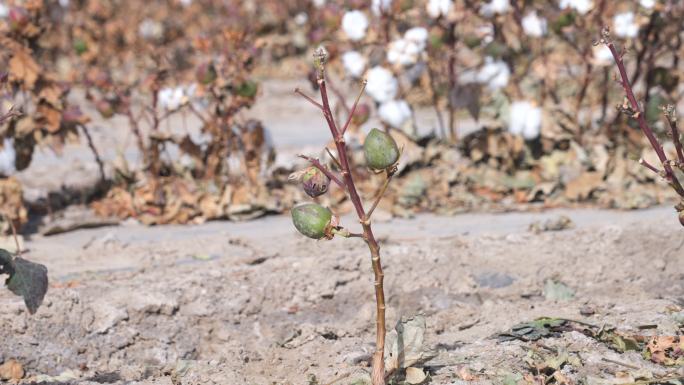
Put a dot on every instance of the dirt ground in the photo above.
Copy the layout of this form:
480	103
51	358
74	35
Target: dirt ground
254	303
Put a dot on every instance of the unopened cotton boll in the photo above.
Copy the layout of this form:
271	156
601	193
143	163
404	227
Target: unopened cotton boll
354	25
525	119
8	157
354	63
382	86
494	73
381	6
439	8
625	26
495	7
395	112
533	25
581	6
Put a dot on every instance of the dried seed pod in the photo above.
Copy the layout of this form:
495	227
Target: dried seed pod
315	182
380	149
312	220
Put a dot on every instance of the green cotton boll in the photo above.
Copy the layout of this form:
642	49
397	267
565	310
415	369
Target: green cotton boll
380	149
311	219
247	89
80	46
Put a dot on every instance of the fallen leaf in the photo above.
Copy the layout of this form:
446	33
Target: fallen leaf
11	370
557	291
415	375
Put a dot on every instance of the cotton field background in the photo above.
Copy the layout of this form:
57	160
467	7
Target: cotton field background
525	190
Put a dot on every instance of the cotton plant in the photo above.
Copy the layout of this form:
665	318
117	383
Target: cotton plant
355	25
525	119
624	25
494	74
407	50
8	157
381	6
581	6
354	63
534	25
648	4
395	113
495	7
381	85
439	8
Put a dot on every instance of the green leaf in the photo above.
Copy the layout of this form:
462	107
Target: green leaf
26	279
532	331
557	291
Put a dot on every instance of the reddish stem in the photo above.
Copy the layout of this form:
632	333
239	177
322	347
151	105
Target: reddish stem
378	364
639	115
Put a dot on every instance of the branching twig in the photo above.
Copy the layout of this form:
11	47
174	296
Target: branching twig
309	98
639	114
353	109
98	159
381	193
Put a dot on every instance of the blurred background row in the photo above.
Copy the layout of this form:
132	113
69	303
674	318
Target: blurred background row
183	111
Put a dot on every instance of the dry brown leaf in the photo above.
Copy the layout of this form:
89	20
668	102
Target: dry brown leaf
11	370
415	376
23	69
581	187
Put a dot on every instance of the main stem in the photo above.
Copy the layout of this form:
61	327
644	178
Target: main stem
378	365
641	119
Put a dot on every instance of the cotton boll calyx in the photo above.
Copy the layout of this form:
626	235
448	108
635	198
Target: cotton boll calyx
533	25
494	73
495	7
439	8
354	63
354	25
382	86
395	113
525	119
581	6
625	26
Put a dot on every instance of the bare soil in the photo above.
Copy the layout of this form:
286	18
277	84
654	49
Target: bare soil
255	303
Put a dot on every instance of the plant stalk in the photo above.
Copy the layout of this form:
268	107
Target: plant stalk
378	364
